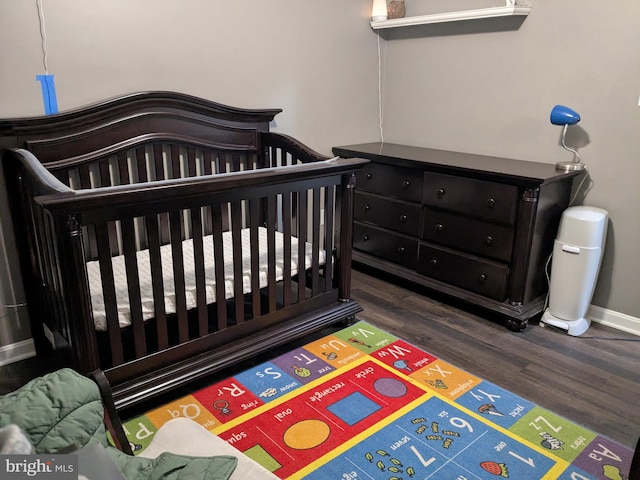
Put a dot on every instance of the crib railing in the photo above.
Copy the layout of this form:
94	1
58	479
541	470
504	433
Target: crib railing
139	200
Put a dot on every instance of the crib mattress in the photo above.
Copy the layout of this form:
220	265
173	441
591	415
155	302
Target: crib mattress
144	272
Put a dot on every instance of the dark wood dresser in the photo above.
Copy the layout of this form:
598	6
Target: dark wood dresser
474	227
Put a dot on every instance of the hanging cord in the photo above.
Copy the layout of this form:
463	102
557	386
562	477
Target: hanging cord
546	273
43	35
380	91
573	199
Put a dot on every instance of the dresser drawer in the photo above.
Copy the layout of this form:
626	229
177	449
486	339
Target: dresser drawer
398	182
395	215
468	234
387	245
487	200
471	273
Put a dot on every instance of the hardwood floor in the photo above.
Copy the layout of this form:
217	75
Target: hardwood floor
593	380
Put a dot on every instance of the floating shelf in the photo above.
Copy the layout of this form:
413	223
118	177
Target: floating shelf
492	12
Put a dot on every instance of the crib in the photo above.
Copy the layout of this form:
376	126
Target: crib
163	237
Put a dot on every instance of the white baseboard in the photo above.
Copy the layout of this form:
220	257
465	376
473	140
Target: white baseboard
17	351
617	320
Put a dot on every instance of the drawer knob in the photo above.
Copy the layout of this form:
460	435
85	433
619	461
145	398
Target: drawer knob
488	240
400	250
491	203
440	193
482	278
406	184
438	227
369	176
367	207
433	262
403	218
365	238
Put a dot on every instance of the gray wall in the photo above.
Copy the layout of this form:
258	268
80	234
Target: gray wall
316	60
484	92
492	92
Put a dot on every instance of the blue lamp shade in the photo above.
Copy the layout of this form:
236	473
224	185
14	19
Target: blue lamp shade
561	115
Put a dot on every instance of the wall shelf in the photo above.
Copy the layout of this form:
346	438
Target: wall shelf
492	12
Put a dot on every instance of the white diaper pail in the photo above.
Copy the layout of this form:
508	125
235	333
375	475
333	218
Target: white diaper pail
577	254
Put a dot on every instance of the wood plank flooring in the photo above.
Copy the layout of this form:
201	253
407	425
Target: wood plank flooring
593	380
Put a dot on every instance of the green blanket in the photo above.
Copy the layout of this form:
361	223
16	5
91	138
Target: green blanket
64	409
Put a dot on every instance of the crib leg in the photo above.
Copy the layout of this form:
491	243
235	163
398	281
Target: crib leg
347	202
111	417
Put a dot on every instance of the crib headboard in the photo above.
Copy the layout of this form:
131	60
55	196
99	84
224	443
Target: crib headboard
137	115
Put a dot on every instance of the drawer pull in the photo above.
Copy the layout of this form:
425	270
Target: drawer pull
400	250
403	218
433	262
438	227
482	278
365	238
488	240
491	203
406	184
369	176
441	192
367	207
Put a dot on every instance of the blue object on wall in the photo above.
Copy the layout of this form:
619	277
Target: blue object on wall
48	94
561	115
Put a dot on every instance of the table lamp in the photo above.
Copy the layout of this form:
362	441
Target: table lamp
561	115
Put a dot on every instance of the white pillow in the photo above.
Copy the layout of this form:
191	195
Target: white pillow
186	437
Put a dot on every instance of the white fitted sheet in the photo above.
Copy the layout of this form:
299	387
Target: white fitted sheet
144	272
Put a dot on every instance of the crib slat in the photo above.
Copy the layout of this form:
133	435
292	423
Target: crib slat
236	231
157	282
34	216
329	219
315	244
105	177
271	251
198	259
175	161
175	220
123	169
109	294
222	162
141	162
133	287
254	218
51	270
85	176
191	162
302	239
208	160
158	162
286	258
218	256
235	162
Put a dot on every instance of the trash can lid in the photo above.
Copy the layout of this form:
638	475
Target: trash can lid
583	226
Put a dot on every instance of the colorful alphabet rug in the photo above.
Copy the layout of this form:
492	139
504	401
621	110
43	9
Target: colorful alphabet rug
364	404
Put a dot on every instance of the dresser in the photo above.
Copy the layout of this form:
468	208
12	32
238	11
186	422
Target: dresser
475	228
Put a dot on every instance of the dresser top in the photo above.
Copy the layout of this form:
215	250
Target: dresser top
444	161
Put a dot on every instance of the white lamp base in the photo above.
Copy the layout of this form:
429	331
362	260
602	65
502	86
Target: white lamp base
573	327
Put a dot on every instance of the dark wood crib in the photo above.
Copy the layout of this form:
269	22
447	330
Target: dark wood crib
163	237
